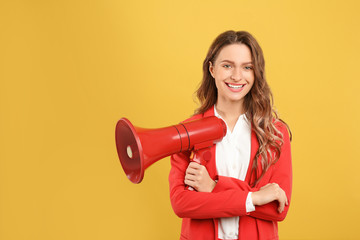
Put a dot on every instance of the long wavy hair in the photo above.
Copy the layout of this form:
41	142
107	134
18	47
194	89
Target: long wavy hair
258	103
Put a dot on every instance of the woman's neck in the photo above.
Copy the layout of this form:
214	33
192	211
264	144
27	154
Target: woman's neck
230	112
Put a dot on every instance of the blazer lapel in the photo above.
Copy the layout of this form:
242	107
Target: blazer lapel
254	148
211	165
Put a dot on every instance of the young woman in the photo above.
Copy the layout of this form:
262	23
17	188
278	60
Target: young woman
245	188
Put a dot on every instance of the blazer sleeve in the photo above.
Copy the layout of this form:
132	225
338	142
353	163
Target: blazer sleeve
229	195
282	175
226	200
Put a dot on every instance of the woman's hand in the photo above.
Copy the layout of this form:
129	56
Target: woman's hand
198	177
268	193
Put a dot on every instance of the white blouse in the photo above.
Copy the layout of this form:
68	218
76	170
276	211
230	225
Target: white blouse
232	160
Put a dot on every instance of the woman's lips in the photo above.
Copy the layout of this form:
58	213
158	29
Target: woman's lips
235	87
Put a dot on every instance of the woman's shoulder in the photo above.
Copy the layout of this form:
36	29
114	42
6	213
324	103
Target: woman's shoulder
282	127
279	124
196	116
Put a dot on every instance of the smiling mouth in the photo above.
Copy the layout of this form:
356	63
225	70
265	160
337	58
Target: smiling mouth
235	86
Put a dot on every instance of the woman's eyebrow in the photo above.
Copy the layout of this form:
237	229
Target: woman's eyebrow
225	60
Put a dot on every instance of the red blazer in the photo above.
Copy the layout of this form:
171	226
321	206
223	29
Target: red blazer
200	210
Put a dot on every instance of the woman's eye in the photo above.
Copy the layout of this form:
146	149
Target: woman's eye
248	67
227	66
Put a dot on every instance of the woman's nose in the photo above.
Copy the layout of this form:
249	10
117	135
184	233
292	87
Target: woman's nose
236	75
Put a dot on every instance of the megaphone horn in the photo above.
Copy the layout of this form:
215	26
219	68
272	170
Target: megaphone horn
138	148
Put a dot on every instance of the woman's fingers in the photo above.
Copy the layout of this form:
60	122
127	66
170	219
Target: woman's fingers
193	168
281	207
194	165
190	177
189	182
282	199
196	176
191	174
271	192
191	171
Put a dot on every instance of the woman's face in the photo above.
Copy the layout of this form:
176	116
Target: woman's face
233	72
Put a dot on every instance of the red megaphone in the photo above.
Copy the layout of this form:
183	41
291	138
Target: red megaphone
138	148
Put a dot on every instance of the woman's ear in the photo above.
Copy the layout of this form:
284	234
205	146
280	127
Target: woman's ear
211	69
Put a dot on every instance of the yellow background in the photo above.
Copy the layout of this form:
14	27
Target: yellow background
70	69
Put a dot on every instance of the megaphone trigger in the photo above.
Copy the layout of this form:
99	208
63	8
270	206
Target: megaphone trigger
192	156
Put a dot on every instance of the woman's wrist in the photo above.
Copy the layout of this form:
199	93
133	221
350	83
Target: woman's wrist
254	197
213	184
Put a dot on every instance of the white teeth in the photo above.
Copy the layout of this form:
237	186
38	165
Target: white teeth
235	86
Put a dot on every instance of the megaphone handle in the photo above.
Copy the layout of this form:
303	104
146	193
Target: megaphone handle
200	156
191	160
196	158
